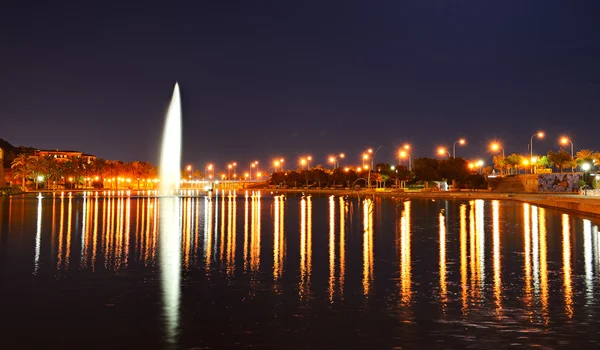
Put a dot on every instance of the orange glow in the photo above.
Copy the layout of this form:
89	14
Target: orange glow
365	156
331	159
462	141
403	154
346	169
342	155
495	146
540	134
564	140
441	151
189	168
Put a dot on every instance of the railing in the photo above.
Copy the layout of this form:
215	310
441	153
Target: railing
592	192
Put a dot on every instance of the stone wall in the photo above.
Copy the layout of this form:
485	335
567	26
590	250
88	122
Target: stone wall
558	182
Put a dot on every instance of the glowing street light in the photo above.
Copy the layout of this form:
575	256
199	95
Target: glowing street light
212	169
462	142
334	160
404	154
495	146
539	134
564	141
442	151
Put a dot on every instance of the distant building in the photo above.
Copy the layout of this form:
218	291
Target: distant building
64	155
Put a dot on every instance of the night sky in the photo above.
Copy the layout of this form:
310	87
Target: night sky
261	79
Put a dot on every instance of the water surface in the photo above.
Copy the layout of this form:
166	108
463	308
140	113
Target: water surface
294	272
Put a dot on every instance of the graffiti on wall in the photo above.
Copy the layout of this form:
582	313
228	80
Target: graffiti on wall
558	182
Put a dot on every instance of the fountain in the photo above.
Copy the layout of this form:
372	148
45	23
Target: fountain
170	219
170	156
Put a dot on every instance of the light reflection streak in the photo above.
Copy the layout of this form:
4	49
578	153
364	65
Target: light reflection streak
566	240
543	264
496	245
170	264
38	237
231	228
527	253
83	255
305	246
255	234
463	258
278	237
222	237
480	248
367	245
127	229
207	232
343	212
535	241
331	247
472	256
405	255
442	262
587	253
95	234
246	240
68	242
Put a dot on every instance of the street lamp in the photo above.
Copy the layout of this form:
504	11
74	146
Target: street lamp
404	154
212	169
443	151
540	135
370	150
496	146
564	141
462	142
229	167
334	160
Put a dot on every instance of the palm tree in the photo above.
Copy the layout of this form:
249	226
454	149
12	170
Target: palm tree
19	166
37	167
586	156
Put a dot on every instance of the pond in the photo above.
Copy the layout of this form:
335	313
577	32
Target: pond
276	271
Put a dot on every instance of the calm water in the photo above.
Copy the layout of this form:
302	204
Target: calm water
295	272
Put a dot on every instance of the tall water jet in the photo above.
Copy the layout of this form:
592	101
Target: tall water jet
170	155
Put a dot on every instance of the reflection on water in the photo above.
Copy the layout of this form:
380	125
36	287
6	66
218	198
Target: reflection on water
542	268
405	260
305	246
367	244
170	264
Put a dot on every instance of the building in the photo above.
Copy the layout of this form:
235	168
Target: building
64	155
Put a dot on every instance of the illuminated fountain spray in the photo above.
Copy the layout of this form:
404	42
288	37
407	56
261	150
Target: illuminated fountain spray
170	156
169	248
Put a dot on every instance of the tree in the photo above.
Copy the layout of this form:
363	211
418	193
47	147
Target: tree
425	169
560	159
513	161
586	156
19	166
499	163
37	167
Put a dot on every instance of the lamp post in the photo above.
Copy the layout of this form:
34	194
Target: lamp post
443	151
404	154
539	134
212	169
495	147
334	160
371	167
564	141
461	142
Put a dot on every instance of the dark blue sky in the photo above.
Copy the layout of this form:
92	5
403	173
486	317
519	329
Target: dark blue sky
267	78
